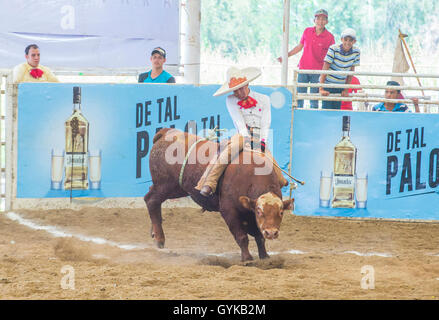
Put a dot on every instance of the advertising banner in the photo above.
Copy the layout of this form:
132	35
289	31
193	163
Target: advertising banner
93	34
366	164
96	138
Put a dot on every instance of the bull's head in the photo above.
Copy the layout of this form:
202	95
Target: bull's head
268	209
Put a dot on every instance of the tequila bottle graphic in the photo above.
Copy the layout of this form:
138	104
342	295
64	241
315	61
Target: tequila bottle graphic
345	156
76	146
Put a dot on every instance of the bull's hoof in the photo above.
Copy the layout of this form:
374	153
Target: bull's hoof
246	258
160	244
206	191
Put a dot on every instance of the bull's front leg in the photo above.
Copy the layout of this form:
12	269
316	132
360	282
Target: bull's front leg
260	242
236	228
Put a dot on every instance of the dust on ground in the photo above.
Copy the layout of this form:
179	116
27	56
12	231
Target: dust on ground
314	258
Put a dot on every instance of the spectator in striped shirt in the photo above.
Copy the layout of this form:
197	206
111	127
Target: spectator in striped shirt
340	57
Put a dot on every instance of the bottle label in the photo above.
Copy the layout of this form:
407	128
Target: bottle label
76	160
344	182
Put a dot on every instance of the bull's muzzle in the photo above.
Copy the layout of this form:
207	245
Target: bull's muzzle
271	233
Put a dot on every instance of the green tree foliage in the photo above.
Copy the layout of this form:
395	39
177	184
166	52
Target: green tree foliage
234	26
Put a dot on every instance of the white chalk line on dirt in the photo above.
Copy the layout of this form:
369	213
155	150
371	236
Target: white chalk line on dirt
56	232
370	254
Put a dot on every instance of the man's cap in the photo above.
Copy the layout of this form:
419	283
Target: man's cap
160	51
321	12
349	32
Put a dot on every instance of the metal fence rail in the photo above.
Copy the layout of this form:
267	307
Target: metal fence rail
426	101
367	73
4	81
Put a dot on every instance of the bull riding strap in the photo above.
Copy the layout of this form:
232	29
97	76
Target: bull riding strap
211	136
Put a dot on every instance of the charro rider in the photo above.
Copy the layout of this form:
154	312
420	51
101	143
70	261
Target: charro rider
251	115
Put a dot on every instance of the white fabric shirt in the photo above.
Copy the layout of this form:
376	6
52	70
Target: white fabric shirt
257	117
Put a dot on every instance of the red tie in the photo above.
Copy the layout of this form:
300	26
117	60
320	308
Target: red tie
248	102
36	73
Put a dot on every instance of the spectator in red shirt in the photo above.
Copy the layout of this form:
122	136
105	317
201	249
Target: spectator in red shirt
315	43
347	105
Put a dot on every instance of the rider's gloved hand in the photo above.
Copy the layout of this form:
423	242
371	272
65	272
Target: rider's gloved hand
262	145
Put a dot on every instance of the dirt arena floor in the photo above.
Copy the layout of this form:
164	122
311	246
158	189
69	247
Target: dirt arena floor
113	257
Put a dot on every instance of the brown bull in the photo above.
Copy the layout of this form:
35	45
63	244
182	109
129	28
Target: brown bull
250	204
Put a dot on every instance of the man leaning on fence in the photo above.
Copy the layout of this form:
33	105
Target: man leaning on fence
340	57
391	106
32	70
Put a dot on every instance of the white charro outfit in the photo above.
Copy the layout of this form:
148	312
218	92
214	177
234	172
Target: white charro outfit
250	121
257	117
22	73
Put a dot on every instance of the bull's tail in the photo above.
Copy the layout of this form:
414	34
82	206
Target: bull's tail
160	134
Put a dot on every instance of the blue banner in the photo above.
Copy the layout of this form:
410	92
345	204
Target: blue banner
120	122
366	164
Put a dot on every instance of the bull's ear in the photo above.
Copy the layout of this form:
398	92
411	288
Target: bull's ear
247	203
289	204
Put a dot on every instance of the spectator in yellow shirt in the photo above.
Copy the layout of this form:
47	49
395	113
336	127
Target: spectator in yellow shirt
32	70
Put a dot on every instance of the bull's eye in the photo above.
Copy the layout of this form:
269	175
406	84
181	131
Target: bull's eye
281	213
259	212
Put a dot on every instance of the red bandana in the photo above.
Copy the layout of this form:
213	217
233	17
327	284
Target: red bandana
247	103
36	73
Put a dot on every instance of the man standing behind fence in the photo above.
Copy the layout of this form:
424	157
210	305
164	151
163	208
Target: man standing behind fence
157	74
315	42
32	70
340	57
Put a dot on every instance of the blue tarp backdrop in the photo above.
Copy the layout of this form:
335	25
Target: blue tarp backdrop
123	120
92	33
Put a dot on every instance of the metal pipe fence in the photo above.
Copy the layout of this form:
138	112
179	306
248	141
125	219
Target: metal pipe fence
5	76
364	97
367	73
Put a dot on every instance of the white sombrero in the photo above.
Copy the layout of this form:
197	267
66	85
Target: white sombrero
237	78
